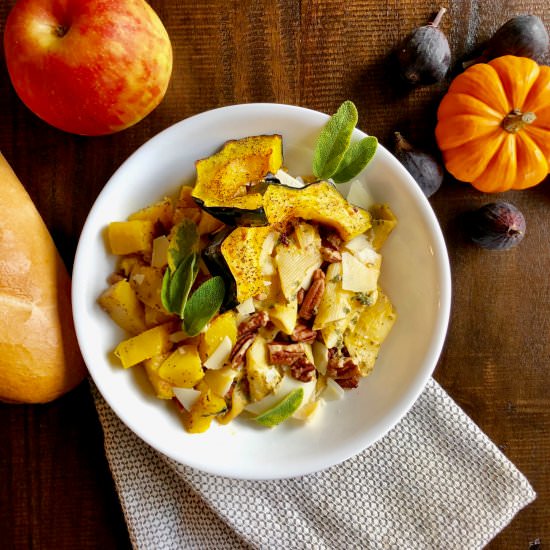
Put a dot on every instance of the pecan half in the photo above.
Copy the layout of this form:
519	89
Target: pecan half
343	370
240	348
333	240
281	353
313	296
254	322
330	255
302	333
300	295
303	370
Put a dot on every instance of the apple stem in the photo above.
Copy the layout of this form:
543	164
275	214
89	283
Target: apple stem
60	30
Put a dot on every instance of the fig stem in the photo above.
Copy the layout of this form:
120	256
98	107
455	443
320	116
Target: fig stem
515	120
401	143
438	17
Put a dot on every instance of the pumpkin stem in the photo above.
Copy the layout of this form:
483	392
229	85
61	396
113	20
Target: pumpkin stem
515	120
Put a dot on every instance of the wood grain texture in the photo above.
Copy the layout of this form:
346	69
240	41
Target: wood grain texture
55	486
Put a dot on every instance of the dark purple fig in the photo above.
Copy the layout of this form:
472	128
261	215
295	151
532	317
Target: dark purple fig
422	166
524	36
496	226
424	56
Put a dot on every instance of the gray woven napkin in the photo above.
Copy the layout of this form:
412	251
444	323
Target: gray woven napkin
435	481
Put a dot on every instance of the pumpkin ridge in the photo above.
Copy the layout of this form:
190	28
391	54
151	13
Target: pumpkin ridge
464	104
501	170
541	137
532	164
517	76
468	161
538	95
482	82
471	127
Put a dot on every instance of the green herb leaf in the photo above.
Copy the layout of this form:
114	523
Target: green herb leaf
165	291
334	140
184	243
203	305
355	159
179	284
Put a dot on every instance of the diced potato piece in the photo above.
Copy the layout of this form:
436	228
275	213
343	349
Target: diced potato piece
185	199
131	236
183	367
127	263
219	381
154	317
262	377
162	388
239	401
208	406
284	315
208	224
159	212
221	326
121	303
147	284
188	213
144	346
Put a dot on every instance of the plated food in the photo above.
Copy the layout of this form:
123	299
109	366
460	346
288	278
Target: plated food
415	274
250	293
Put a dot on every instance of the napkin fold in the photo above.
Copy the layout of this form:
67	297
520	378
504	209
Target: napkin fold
434	481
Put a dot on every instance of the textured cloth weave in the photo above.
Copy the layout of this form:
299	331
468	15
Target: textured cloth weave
434	481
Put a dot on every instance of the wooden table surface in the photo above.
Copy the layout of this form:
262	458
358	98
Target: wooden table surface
55	486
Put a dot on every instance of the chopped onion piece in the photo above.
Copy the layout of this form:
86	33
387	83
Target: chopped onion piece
247	307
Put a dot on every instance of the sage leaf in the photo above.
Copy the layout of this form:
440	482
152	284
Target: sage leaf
165	291
184	243
203	305
181	282
334	140
355	159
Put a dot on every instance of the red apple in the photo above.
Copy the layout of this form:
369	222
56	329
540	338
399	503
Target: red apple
89	67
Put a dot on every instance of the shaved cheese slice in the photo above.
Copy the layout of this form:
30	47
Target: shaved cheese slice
220	355
186	396
286	179
359	195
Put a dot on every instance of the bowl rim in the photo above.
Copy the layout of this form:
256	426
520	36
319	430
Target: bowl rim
431	355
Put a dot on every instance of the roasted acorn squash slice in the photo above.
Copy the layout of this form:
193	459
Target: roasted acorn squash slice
319	202
242	251
223	179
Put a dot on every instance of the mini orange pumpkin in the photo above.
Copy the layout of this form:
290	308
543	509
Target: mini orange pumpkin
494	124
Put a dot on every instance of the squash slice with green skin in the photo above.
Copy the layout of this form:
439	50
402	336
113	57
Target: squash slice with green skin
222	178
319	202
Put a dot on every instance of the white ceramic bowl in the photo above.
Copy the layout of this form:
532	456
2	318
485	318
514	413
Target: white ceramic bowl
415	274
